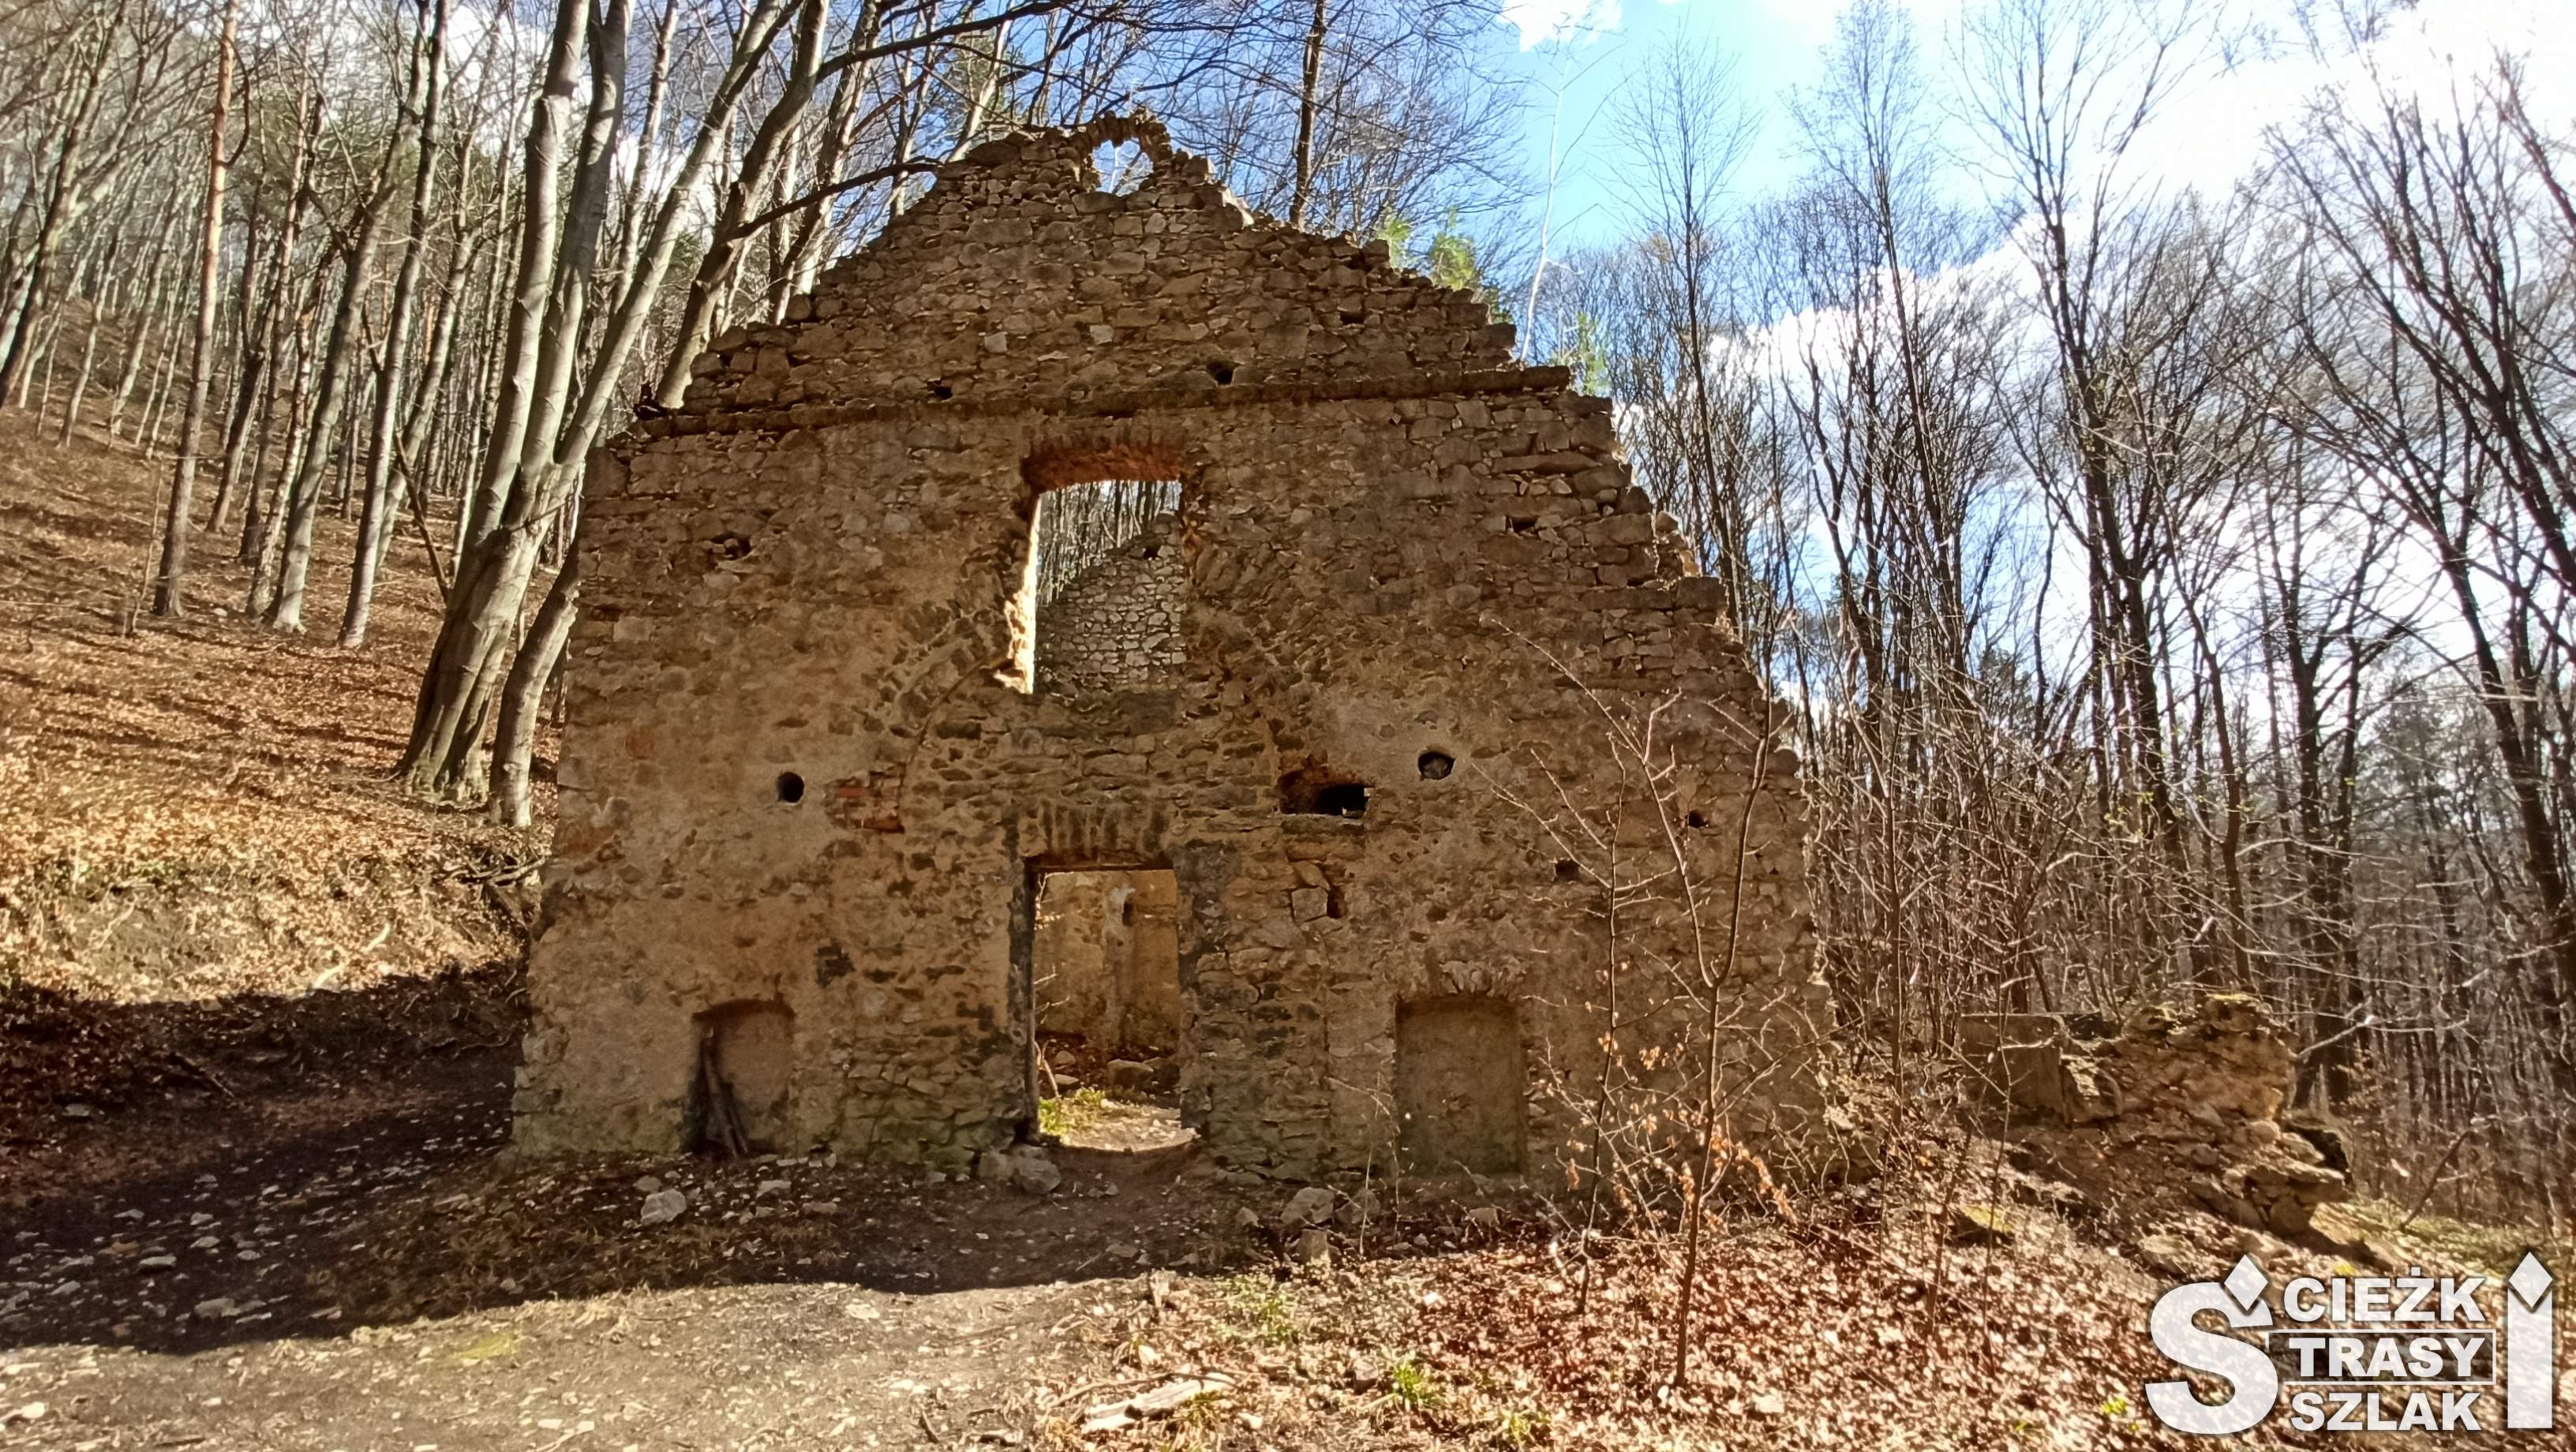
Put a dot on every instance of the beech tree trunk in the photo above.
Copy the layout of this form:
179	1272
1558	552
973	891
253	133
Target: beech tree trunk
168	590
377	513
514	738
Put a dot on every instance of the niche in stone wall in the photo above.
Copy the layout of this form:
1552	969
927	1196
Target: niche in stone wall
738	1097
1102	603
1459	1082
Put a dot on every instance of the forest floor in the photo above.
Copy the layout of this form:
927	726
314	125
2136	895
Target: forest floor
258	1020
199	807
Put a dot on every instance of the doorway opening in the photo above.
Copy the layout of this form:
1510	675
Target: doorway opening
1108	1020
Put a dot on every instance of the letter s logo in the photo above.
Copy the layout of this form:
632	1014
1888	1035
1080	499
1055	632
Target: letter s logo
2256	1382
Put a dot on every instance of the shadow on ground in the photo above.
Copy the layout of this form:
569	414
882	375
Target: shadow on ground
180	1177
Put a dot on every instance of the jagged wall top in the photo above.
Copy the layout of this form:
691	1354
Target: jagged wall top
1019	283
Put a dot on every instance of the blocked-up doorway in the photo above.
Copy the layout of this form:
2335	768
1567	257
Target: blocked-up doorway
1105	978
1459	1078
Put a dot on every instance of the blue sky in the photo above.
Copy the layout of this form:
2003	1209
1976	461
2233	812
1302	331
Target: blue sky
2210	135
1591	56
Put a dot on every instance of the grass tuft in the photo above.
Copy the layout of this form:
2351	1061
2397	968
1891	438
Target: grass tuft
1073	1113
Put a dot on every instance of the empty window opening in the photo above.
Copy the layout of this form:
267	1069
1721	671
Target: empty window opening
1317	791
1435	765
1696	820
1105	976
1459	1083
1121	166
791	787
1101	607
738	1099
1523	523
940	390
1568	870
1221	370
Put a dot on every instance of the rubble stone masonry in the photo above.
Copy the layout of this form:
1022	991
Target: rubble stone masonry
1412	587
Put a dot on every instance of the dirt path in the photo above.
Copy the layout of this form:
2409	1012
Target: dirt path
325	1252
744	1367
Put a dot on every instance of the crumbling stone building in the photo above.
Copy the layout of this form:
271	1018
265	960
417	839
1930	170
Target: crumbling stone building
1353	692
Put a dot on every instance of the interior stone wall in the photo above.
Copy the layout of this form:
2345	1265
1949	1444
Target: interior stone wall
1106	960
1394	547
1117	625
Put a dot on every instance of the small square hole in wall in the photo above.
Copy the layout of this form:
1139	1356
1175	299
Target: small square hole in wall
1101	603
1316	791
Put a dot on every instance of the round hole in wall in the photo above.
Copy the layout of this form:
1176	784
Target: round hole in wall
1434	764
1221	371
940	390
1697	820
791	787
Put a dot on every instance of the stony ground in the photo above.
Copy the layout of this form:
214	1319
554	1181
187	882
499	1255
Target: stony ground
258	1017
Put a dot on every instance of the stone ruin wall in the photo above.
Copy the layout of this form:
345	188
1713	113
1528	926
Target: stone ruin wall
1397	549
1117	625
2189	1095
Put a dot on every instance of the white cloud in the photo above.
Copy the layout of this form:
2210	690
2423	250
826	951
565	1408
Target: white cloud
2213	134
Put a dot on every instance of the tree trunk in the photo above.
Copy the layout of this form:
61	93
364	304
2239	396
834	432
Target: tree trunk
532	476
59	205
168	590
375	524
465	669
262	371
514	739
286	612
89	352
304	495
259	524
724	249
540	226
1303	189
